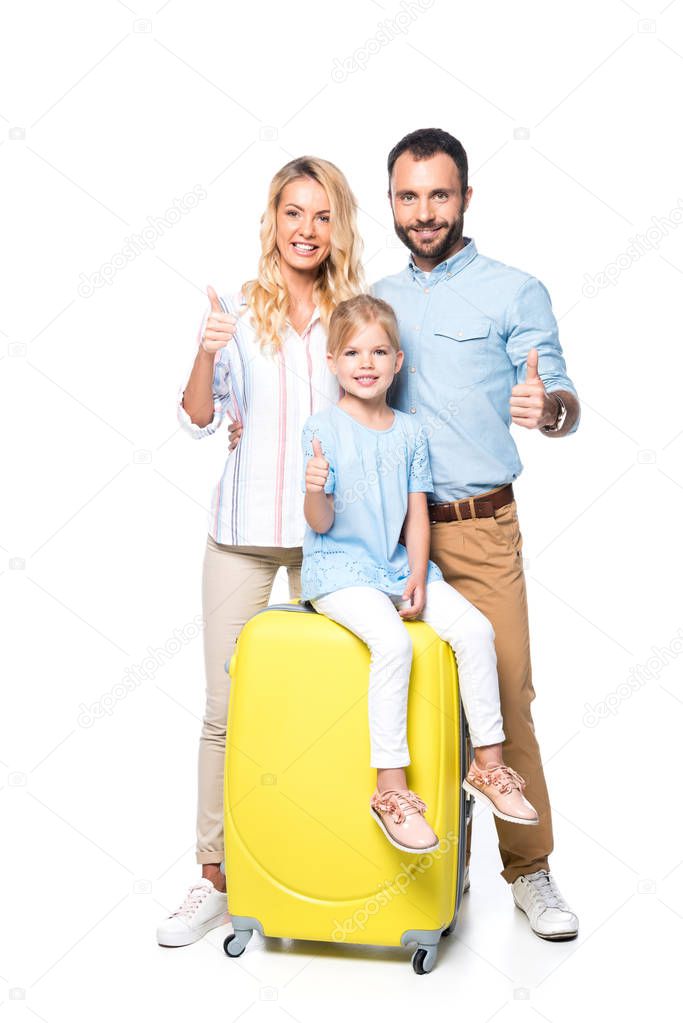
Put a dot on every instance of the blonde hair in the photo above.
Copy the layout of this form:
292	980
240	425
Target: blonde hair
349	316
340	275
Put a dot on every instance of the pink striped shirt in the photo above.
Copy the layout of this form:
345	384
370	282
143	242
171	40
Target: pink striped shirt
257	500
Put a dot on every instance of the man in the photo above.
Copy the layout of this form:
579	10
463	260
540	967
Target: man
481	350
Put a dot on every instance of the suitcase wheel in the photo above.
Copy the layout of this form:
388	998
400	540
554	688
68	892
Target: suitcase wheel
235	944
424	959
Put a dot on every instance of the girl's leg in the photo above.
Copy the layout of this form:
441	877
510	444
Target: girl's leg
471	636
372	616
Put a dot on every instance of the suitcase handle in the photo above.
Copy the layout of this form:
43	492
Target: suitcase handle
295	605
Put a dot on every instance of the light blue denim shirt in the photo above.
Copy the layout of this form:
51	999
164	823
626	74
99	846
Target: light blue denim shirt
371	474
466	329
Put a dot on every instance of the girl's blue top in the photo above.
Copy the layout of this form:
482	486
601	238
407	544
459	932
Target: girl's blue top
371	474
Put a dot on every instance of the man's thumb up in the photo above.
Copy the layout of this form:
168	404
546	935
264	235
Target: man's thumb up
532	365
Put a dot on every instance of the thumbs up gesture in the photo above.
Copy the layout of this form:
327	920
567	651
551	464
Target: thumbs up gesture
317	469
530	406
220	326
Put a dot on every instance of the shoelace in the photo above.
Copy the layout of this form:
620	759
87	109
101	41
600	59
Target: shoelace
193	899
545	889
399	802
501	776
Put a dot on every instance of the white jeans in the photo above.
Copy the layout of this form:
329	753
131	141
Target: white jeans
373	616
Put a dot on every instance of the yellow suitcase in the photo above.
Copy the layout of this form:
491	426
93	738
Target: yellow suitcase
304	857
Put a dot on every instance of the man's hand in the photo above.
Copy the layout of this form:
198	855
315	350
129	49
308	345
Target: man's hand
414	592
234	432
317	470
530	406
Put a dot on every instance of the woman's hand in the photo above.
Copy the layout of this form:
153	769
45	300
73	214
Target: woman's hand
317	470
220	326
415	592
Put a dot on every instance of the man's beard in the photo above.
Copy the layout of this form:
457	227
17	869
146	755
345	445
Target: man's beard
431	250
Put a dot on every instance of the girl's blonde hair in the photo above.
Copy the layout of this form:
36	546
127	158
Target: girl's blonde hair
353	314
340	275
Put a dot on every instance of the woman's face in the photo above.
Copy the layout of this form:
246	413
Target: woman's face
303	224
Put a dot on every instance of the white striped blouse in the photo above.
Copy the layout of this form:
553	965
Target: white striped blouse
258	500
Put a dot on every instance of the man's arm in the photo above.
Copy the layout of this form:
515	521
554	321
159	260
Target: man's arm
534	349
571	403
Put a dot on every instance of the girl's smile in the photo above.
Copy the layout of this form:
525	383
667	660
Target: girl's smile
366	365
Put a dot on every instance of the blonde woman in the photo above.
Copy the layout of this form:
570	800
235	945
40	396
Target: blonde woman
261	359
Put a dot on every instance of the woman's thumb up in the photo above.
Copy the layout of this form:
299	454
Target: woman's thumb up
220	326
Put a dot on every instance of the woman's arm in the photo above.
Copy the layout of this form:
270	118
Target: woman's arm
198	396
219	329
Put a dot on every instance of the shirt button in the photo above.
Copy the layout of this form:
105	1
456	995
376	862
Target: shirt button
412	410
426	291
412	369
459	333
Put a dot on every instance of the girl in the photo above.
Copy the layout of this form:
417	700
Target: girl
366	479
260	358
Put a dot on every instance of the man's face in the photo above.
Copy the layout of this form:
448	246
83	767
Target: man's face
428	206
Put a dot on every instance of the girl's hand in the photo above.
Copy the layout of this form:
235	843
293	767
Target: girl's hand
415	593
220	326
317	470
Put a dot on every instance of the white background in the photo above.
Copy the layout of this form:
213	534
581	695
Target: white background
105	119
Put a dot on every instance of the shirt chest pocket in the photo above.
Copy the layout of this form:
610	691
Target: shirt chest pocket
464	351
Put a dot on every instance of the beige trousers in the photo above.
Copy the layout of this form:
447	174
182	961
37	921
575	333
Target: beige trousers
482	559
236	583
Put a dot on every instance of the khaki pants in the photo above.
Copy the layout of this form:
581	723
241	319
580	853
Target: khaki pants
236	583
482	558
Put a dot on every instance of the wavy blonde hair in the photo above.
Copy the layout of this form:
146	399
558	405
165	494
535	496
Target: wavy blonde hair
340	275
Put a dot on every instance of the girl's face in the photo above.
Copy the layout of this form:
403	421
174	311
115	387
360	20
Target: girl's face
367	363
303	224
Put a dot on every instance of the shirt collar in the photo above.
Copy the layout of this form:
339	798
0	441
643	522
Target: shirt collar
449	267
315	317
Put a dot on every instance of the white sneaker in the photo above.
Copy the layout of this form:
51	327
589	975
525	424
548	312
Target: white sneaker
204	908
540	898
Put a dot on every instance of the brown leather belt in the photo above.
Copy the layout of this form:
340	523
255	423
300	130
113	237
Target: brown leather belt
471	507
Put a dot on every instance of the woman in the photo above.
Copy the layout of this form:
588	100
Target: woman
261	359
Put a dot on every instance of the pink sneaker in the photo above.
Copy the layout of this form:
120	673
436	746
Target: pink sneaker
400	815
500	788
